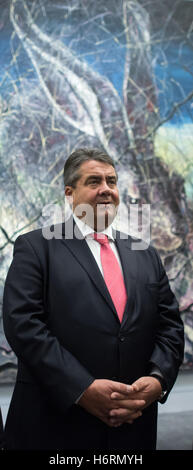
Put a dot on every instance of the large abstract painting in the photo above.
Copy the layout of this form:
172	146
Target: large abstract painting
111	74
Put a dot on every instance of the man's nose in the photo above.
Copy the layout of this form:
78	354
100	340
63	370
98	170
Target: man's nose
104	188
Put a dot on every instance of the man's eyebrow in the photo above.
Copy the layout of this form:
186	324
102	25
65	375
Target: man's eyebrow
112	177
98	177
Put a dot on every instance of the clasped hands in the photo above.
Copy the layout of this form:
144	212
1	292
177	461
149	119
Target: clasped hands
116	403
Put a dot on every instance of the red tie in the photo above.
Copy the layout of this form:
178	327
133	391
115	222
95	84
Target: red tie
112	274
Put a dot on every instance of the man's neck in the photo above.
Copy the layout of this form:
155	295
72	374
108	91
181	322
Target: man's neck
85	228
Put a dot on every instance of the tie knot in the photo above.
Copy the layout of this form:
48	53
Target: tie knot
101	238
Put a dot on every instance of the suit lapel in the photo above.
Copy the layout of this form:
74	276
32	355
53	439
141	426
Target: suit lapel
81	251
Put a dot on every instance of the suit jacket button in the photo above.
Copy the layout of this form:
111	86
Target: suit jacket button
122	338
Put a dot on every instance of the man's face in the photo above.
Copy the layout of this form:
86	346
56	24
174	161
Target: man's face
97	188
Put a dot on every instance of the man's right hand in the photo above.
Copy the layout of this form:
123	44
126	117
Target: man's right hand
97	400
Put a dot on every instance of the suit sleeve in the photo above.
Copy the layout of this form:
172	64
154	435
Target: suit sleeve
55	369
168	351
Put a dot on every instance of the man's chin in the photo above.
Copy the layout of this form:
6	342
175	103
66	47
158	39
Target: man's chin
101	217
102	209
105	217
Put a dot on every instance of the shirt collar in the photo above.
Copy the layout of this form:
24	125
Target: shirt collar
86	230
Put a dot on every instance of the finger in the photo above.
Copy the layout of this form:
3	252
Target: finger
115	421
128	404
112	422
140	384
135	387
118	414
109	422
123	413
124	418
122	396
123	389
133	417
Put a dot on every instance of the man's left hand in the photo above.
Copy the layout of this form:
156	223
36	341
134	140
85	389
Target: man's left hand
146	388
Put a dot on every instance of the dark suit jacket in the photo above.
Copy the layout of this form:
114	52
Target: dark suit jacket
1	431
60	321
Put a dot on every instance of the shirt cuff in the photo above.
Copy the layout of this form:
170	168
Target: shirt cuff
77	400
155	370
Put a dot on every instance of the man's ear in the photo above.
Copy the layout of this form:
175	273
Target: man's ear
69	195
68	191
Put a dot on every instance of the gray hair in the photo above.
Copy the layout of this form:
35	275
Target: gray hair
79	156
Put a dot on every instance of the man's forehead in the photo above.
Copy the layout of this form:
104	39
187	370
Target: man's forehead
96	168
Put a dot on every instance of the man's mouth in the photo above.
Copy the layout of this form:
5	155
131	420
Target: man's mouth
104	203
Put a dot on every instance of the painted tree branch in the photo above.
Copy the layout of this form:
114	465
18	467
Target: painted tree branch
169	116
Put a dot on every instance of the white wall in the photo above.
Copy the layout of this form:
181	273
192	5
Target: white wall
181	396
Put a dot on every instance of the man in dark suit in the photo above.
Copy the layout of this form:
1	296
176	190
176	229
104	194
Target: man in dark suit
93	358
